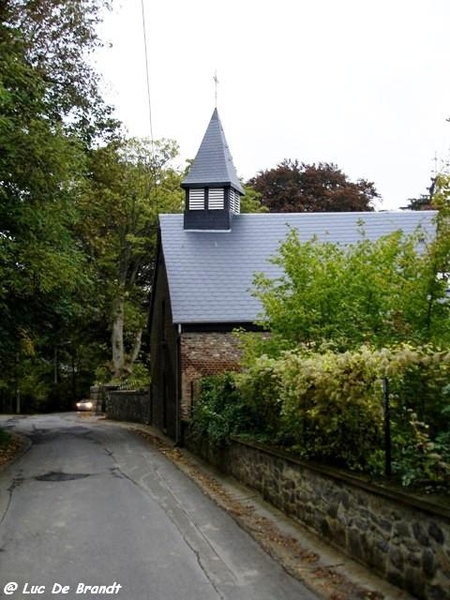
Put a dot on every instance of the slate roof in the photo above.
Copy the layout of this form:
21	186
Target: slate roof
213	163
210	274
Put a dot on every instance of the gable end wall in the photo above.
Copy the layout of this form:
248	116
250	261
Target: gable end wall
163	356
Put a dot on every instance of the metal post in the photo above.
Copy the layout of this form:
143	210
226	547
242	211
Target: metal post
17	385
387	429
74	383
55	365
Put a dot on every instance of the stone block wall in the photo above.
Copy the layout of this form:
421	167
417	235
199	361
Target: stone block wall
204	354
123	405
99	394
403	538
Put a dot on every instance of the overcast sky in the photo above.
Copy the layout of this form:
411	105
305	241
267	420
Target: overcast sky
364	84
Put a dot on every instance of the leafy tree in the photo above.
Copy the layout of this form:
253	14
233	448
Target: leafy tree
298	187
56	40
251	201
38	167
371	292
131	182
50	111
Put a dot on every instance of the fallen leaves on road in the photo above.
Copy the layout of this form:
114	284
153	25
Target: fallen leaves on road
302	563
10	448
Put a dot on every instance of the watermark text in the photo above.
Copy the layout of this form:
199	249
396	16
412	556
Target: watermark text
81	589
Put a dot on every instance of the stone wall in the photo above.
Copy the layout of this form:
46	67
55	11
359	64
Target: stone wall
123	405
404	539
203	354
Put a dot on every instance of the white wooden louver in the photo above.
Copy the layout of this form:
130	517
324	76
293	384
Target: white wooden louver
235	202
216	198
196	199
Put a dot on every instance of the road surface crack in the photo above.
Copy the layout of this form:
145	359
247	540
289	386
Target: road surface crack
15	483
187	529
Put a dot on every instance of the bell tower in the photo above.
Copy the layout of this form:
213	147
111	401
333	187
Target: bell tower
212	188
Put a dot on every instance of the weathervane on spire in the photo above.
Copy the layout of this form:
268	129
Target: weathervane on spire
216	83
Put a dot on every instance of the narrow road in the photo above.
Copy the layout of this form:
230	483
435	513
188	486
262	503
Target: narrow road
92	511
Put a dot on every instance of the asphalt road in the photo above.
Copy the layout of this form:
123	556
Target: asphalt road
93	511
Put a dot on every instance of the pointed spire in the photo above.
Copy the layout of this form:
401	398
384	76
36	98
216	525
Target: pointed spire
213	163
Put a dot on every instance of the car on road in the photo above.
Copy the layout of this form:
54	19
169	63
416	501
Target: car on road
86	404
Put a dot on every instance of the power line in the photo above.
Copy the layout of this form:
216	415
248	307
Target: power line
147	72
153	168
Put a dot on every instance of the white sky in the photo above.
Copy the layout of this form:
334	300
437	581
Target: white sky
364	84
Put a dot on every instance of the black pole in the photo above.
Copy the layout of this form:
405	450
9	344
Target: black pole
74	382
17	385
387	429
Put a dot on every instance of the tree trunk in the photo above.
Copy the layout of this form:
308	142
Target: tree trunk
122	364
136	347
118	351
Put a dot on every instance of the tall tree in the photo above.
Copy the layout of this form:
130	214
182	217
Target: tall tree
50	112
57	37
298	187
131	181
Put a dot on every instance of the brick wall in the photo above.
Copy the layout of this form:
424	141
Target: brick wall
204	354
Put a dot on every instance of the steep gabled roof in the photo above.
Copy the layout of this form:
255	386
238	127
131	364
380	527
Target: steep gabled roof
213	163
210	275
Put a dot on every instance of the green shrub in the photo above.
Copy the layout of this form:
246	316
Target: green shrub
419	461
219	411
324	406
329	407
260	390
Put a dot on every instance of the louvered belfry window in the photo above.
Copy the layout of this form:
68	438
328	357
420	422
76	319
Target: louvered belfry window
196	199
216	199
235	202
